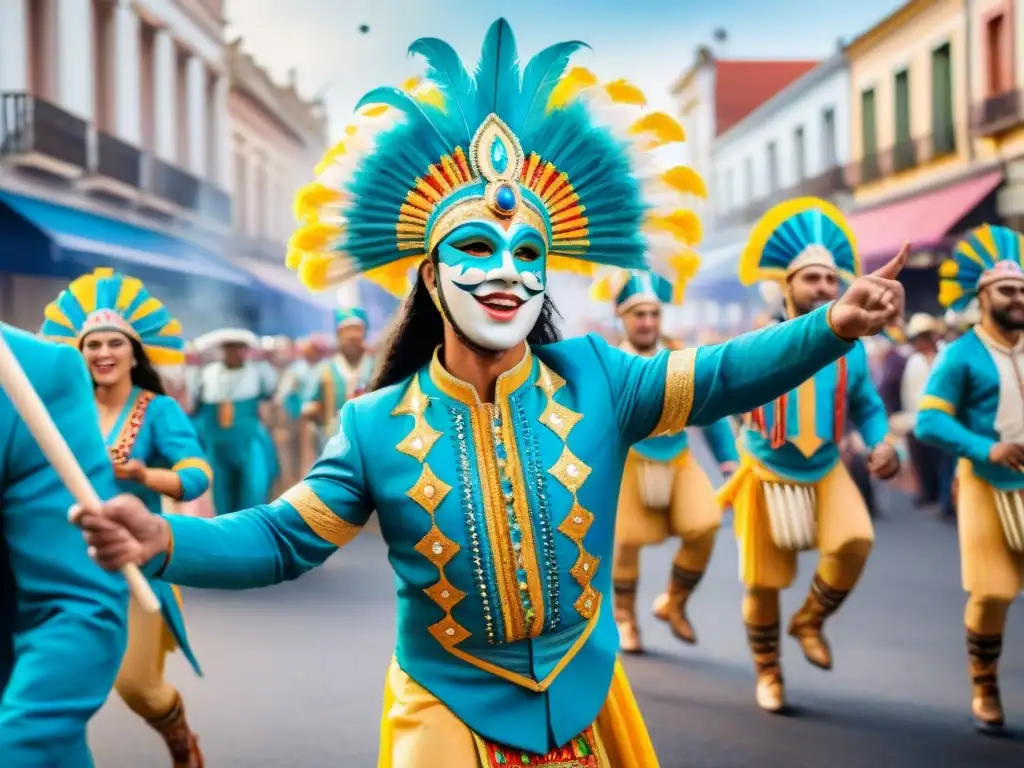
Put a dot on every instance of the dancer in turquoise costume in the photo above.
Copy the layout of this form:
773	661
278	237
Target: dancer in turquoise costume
230	394
973	408
792	492
123	331
341	377
664	492
62	619
491	451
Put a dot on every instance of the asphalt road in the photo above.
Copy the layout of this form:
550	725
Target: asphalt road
294	674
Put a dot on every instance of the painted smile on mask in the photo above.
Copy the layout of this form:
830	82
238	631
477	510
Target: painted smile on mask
493	281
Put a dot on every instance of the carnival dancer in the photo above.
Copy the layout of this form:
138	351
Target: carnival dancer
62	639
340	378
973	407
664	491
492	452
123	332
297	379
229	421
792	493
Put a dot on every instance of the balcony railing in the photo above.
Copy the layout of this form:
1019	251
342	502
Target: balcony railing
825	184
29	125
214	203
118	160
998	113
174	185
902	157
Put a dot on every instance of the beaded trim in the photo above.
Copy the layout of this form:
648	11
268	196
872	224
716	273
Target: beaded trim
122	450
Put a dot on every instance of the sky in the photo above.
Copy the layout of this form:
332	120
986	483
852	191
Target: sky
649	42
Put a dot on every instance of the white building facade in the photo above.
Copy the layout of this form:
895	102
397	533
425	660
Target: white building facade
117	111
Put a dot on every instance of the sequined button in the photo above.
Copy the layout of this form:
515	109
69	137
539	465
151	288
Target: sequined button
556	419
417	443
445	593
572	470
428	491
451	631
586	566
577	520
437	549
586	604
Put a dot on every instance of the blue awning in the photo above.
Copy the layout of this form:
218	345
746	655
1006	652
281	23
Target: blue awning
86	237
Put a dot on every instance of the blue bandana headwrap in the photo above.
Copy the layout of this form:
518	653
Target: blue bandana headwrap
108	301
350	316
541	146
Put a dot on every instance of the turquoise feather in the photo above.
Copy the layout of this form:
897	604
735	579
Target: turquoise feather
446	70
497	74
540	78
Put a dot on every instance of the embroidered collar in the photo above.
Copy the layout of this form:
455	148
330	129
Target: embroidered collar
507	383
996	345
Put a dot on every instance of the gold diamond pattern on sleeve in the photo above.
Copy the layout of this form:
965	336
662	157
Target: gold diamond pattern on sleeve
428	492
678	402
318	516
572	473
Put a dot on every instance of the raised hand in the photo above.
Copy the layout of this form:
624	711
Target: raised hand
872	302
122	532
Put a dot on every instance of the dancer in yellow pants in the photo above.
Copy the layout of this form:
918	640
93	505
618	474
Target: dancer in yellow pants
664	492
792	492
973	407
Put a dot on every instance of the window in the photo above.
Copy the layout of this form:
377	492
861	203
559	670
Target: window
773	167
997	55
828	138
869	139
748	178
799	154
903	151
943	131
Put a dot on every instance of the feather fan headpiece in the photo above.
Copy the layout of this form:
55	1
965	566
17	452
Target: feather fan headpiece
108	301
629	287
986	255
543	146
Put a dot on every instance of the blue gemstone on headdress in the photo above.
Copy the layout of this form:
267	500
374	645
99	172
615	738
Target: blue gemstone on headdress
499	155
505	198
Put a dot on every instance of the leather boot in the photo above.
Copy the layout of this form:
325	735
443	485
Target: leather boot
670	606
983	653
809	621
181	742
770	692
625	617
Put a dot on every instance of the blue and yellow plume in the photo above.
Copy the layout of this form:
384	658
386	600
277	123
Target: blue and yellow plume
350	316
985	255
108	301
540	144
797	234
629	287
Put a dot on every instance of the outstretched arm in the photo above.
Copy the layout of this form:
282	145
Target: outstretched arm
937	410
698	386
279	541
70	626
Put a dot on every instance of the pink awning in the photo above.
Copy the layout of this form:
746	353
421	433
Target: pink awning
923	220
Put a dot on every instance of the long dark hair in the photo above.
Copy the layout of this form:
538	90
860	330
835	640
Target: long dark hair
418	330
144	375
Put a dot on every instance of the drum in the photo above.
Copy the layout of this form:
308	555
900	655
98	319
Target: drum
655	480
792	515
1010	505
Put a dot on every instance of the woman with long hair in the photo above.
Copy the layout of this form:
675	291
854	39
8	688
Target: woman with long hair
122	331
491	451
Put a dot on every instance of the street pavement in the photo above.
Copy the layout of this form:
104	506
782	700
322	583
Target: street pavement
294	673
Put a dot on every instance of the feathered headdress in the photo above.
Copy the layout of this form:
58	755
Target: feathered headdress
986	255
108	301
540	145
796	234
629	287
350	316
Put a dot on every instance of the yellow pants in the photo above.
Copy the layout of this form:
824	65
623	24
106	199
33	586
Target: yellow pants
418	731
140	681
843	523
693	515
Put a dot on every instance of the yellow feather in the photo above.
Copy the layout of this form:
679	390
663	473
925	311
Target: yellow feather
375	110
949	269
664	129
164	356
394	277
410	84
315	236
624	92
54	315
130	287
148	307
329	157
568	88
682	224
84	291
431	96
313	271
949	292
294	258
311	198
686	181
173	328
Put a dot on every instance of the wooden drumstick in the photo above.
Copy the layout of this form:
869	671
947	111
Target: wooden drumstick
30	407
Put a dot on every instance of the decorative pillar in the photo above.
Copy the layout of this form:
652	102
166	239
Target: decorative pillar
127	75
196	83
221	173
76	39
13	46
164	78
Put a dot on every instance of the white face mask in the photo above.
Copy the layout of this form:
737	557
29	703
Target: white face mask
493	282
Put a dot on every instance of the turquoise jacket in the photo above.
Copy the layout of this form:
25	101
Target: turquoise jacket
154	430
810	450
972	395
62	618
329	389
499	519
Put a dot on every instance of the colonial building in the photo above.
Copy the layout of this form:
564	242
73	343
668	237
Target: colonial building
920	173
